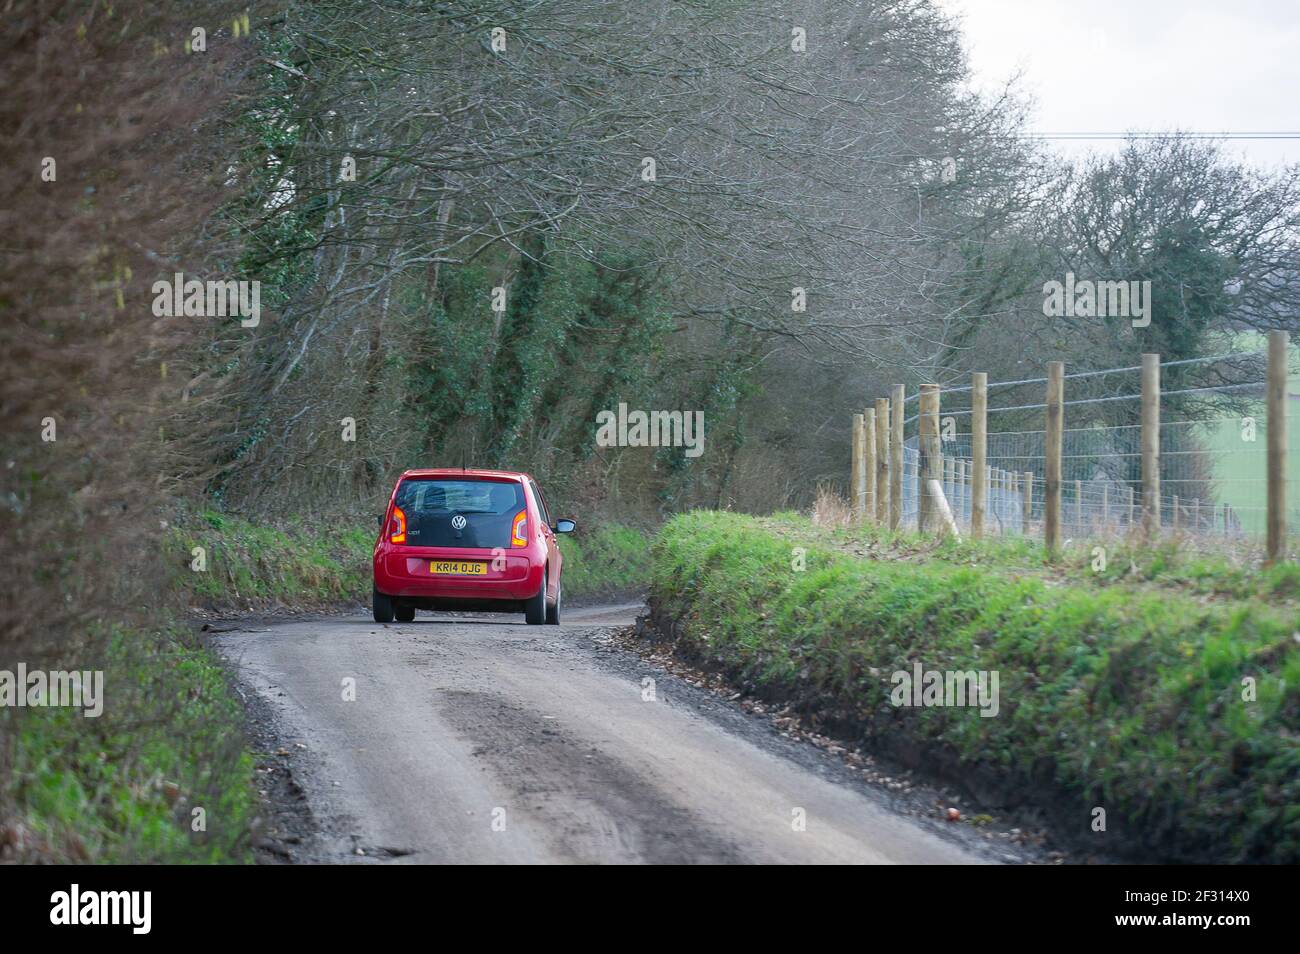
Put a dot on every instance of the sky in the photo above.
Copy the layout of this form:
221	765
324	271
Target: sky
1119	65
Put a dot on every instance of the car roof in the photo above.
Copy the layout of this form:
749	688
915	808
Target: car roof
466	472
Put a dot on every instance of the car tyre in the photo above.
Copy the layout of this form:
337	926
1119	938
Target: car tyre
404	614
535	608
553	612
382	606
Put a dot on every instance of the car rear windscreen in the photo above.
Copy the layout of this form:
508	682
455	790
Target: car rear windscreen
459	513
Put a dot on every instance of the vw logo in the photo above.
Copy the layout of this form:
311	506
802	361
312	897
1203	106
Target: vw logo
458	522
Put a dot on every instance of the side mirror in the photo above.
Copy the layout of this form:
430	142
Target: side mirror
381	521
565	526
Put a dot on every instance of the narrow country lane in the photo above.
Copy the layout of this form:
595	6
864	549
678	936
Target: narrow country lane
485	740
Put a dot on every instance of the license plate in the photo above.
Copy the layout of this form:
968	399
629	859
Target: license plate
458	567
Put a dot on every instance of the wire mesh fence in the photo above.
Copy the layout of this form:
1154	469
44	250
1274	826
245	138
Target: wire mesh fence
1212	462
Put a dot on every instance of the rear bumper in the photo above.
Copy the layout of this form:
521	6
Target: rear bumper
405	572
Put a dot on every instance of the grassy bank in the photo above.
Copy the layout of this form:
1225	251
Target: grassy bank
301	566
1124	696
160	775
295	565
605	562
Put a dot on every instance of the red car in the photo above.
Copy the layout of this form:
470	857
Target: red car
478	540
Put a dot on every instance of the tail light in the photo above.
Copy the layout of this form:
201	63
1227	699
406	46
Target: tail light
519	530
398	527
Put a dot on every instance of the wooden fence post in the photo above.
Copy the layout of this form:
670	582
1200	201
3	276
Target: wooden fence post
1052	456
1010	493
1130	507
882	461
1277	375
1008	489
1150	445
1027	507
1013	489
869	463
931	461
1017	497
1174	514
1105	507
855	469
979	406
896	457
1078	507
1196	515
1004	495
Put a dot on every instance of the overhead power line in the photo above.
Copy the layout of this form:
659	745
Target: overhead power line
1227	134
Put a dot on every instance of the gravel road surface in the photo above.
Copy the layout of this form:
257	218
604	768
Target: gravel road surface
481	739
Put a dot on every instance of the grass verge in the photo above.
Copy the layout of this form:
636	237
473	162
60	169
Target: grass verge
227	562
1176	714
1199	565
606	562
247	566
160	775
